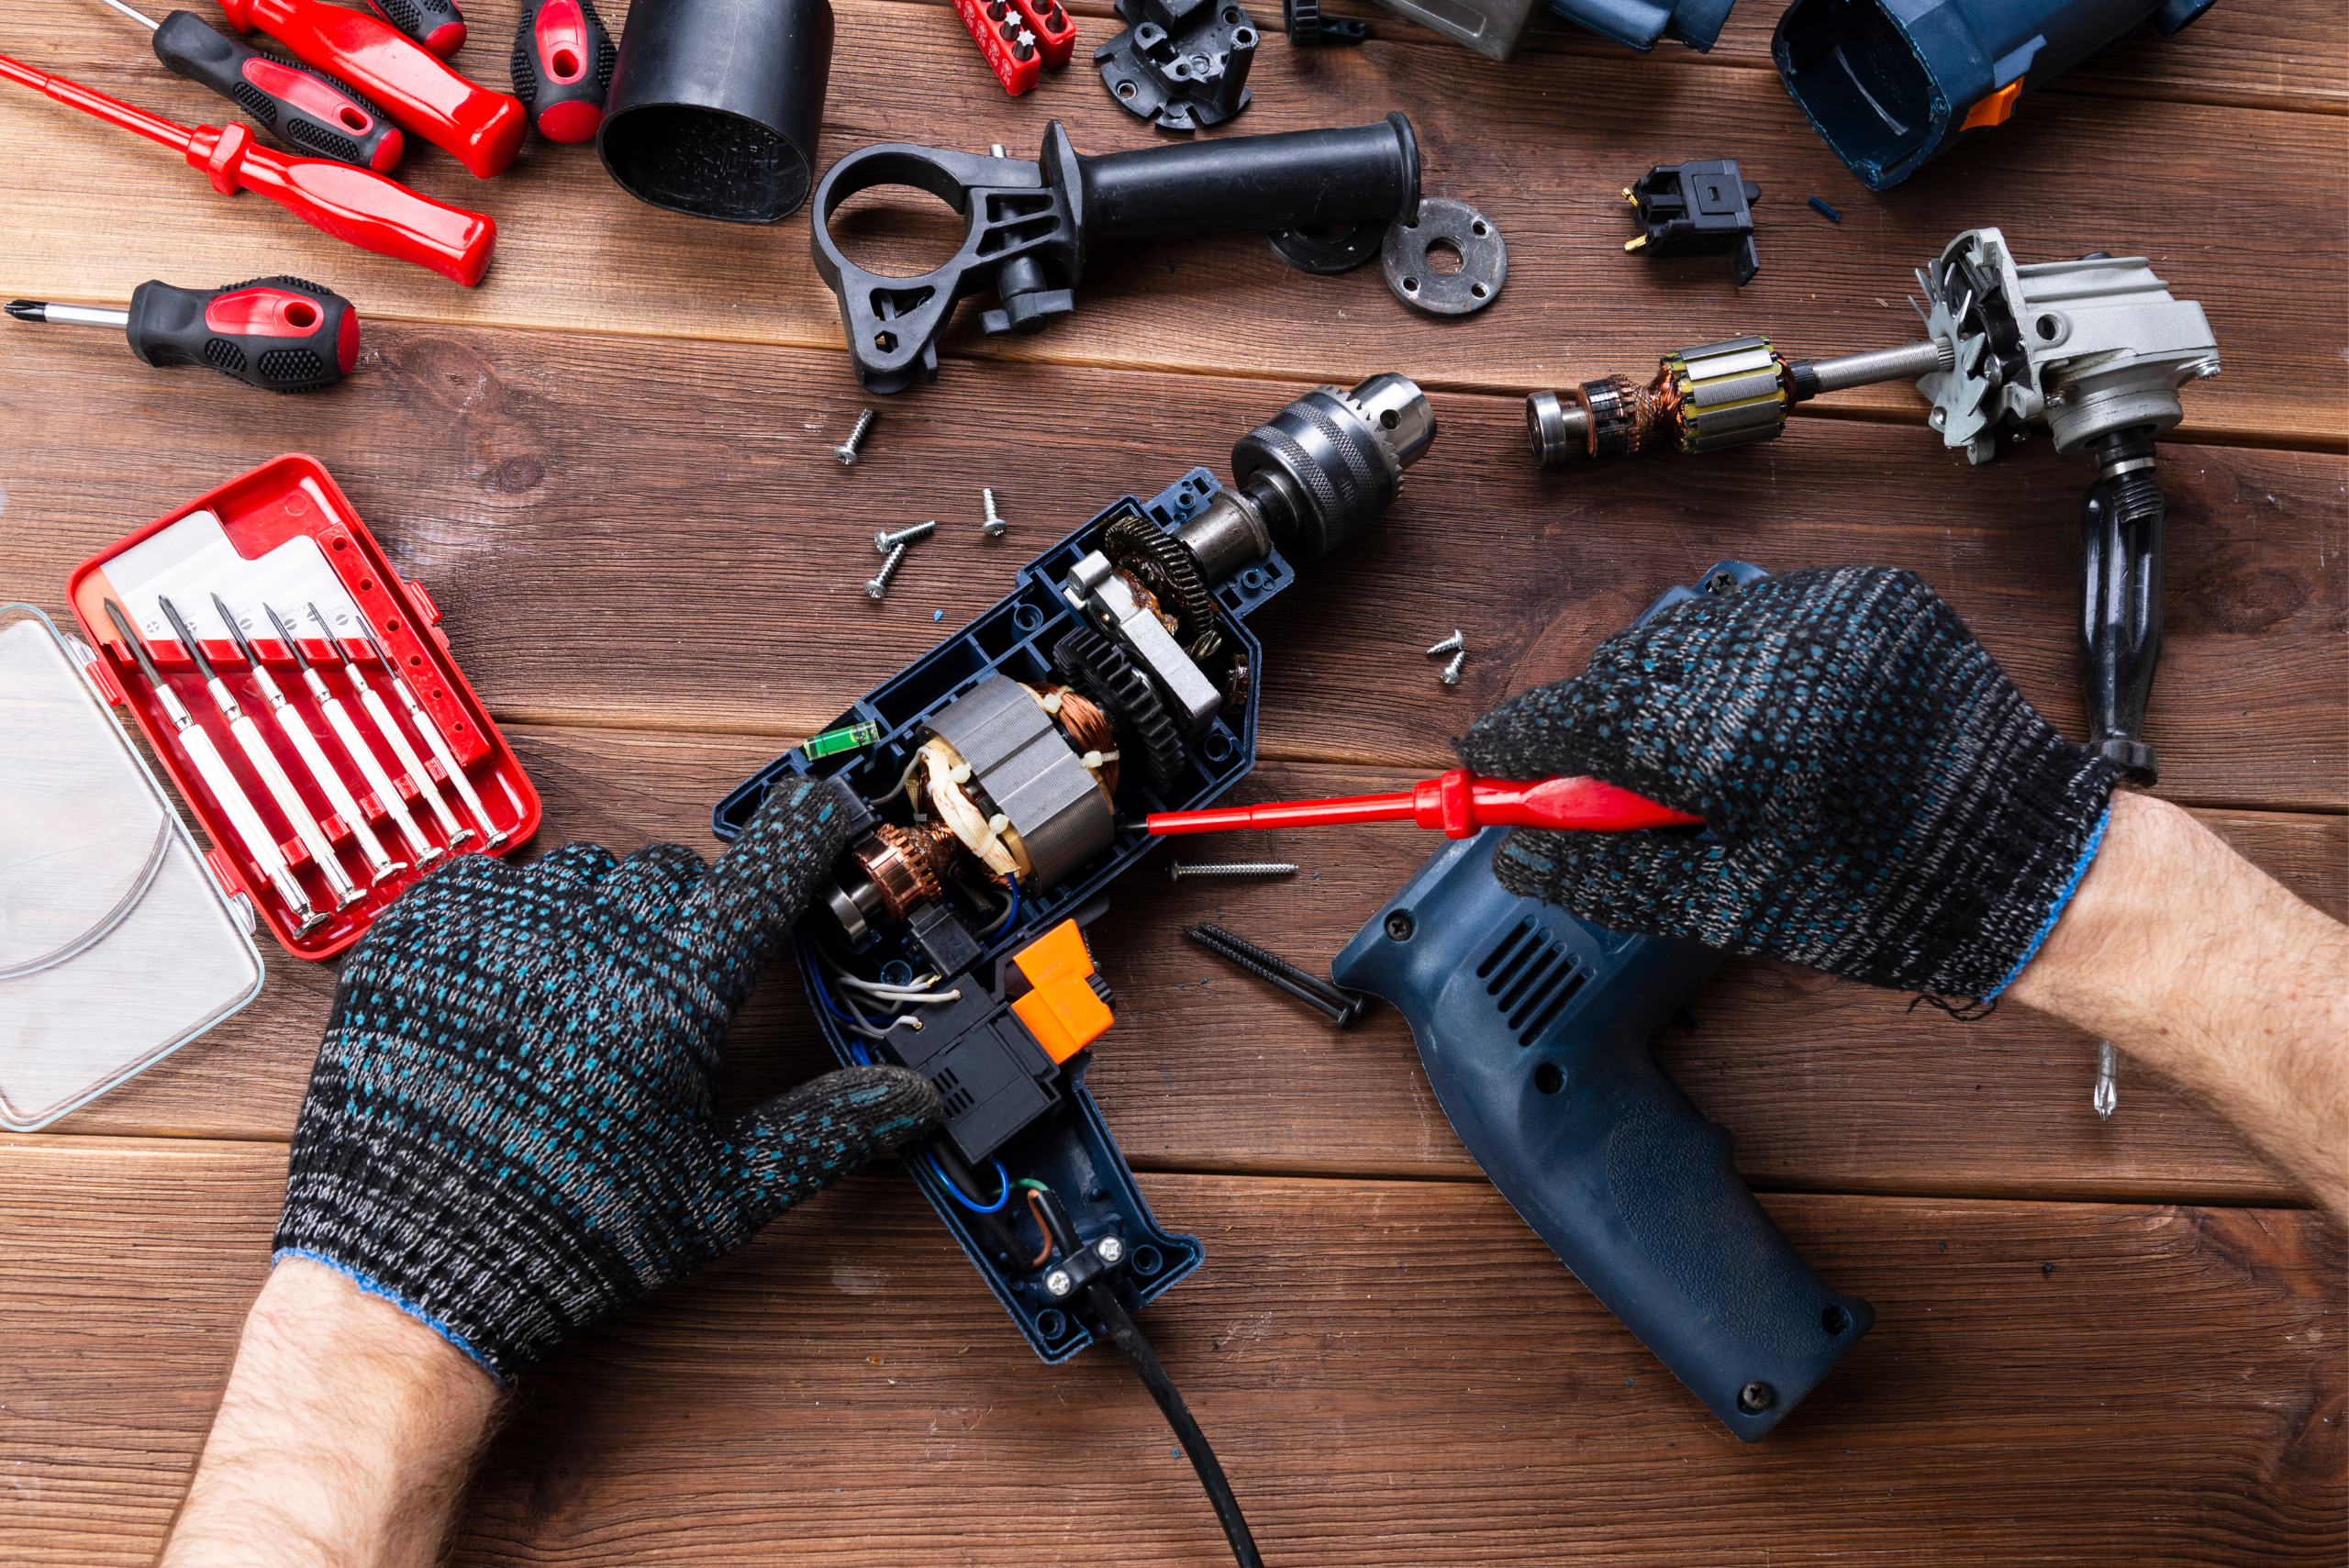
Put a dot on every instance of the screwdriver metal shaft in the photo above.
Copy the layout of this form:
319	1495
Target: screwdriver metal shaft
388	727
259	847
265	763
298	730
440	749
66	314
355	746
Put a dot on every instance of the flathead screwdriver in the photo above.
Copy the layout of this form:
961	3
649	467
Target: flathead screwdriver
279	334
296	729
259	847
439	744
264	761
306	109
338	720
388	727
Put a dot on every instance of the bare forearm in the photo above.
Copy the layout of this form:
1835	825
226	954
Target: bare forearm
345	1439
2203	967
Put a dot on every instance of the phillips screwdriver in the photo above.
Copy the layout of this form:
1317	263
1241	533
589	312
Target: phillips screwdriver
437	24
265	763
307	109
356	205
279	334
439	744
562	68
481	128
259	847
1458	802
338	720
298	730
386	725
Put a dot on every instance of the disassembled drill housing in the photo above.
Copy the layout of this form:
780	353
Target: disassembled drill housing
1006	792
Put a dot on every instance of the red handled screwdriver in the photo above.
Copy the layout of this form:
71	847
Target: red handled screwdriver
356	205
481	128
562	68
437	24
279	334
1458	802
307	109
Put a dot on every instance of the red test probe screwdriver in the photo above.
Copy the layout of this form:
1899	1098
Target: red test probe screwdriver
1458	802
481	128
307	109
279	334
562	68
437	24
357	206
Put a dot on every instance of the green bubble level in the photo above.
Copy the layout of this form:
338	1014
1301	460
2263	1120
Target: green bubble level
848	738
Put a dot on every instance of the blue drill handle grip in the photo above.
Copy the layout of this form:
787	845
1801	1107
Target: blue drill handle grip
1533	1026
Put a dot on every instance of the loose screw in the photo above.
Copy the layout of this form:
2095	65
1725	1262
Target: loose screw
1176	873
1450	676
2106	1097
878	585
1341	1007
846	452
885	543
1453	644
994	527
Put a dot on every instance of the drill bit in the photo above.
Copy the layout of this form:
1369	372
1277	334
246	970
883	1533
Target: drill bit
439	743
355	746
261	849
372	701
297	732
264	761
1341	1008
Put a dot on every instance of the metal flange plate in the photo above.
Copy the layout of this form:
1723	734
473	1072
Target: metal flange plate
1484	258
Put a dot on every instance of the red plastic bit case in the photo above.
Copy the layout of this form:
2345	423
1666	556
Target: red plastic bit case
259	515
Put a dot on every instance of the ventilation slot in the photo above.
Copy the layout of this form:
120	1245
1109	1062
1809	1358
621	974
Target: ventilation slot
1531	977
957	1099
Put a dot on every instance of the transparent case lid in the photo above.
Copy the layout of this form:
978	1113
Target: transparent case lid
116	945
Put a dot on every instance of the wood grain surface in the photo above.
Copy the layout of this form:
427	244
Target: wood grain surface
2098	1341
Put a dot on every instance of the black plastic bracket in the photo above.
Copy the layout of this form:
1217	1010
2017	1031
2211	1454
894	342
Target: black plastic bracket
1181	63
1697	209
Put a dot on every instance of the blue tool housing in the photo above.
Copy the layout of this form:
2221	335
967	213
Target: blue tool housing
1070	1147
1533	1026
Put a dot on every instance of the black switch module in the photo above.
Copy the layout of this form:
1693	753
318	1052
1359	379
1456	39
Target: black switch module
1697	209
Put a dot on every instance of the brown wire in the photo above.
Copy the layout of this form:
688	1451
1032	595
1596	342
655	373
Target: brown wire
1036	1208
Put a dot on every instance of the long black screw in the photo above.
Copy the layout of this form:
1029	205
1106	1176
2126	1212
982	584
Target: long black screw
1341	1007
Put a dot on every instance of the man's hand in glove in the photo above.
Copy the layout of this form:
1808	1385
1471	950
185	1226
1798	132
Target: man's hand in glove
509	1134
1882	805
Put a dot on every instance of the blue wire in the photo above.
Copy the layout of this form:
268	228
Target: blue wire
1012	917
1002	1176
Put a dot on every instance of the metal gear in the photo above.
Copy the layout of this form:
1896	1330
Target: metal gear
1099	668
1167	568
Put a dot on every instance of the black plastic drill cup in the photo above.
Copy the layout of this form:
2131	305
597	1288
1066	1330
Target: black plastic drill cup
1242	185
716	105
311	345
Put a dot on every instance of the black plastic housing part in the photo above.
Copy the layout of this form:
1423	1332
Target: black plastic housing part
716	105
1067	1145
1698	209
1533	1026
1181	64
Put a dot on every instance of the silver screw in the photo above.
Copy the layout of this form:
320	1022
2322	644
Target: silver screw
1450	676
994	527
994	150
885	543
1452	644
846	451
1176	873
1058	1283
1110	1249
878	585
2107	1095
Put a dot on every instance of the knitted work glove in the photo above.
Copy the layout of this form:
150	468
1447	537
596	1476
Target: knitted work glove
1882	804
508	1132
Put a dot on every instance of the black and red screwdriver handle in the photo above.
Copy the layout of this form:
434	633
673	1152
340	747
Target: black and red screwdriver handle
306	109
280	334
437	24
562	68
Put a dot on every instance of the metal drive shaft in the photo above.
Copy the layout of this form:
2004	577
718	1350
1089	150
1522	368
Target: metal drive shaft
388	727
296	730
265	763
440	749
259	847
354	745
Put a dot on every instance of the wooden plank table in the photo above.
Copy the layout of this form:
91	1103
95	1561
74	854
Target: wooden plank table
2098	1342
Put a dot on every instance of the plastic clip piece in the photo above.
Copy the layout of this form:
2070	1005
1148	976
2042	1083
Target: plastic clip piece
1064	1011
